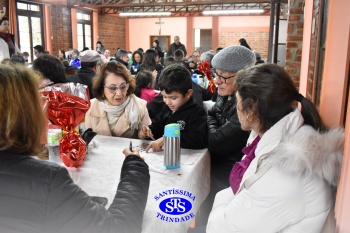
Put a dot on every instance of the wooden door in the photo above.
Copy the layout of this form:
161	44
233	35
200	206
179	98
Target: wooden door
164	42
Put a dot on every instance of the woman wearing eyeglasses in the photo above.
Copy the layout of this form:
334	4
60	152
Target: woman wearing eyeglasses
116	111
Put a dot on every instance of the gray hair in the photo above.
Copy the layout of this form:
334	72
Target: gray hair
120	53
207	56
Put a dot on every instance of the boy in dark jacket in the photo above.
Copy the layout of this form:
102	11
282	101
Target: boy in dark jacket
175	84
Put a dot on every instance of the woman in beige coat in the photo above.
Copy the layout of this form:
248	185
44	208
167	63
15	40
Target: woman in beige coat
116	111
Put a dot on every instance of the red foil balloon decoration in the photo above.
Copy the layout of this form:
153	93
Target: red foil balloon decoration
72	149
204	67
67	105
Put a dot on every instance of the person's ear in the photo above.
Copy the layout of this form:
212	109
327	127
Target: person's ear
189	93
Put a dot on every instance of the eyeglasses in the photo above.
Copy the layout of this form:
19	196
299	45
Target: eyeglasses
222	78
113	89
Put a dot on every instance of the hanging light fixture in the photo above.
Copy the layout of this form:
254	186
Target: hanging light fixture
224	12
145	14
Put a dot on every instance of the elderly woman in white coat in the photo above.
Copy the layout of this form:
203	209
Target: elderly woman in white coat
286	181
116	111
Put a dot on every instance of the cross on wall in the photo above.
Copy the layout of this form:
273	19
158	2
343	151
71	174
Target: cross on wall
160	22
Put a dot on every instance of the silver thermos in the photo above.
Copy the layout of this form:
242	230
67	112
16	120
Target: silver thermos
172	146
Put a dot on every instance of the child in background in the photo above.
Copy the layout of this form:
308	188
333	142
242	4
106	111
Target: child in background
175	84
144	86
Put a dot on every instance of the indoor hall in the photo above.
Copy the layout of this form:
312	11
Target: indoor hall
313	43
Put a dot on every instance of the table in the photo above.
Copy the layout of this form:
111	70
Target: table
100	172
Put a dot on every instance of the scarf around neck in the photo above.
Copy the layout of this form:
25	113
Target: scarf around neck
132	108
239	168
10	43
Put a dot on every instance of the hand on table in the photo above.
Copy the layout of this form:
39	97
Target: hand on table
156	145
136	152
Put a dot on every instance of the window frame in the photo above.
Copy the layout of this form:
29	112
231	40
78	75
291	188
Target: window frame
85	22
29	13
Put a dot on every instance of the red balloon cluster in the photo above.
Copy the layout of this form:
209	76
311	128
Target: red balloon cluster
67	111
204	67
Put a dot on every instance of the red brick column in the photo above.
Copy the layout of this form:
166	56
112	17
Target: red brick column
111	32
295	40
61	28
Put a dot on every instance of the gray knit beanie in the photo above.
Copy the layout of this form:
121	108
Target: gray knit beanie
233	59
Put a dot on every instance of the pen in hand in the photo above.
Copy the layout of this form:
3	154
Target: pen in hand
130	146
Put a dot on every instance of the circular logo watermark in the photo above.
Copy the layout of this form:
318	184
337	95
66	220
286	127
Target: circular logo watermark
175	205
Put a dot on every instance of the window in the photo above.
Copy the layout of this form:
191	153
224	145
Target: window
84	30
30	27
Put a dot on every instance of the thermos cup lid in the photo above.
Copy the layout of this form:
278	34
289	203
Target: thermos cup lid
172	130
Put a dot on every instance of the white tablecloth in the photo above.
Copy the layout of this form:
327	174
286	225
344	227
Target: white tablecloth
100	172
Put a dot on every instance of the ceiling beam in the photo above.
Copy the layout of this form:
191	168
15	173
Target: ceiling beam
184	7
148	3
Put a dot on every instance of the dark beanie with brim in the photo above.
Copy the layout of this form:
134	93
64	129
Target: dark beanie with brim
233	59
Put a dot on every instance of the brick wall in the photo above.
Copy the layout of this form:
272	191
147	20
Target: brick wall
111	32
295	40
61	28
4	3
258	41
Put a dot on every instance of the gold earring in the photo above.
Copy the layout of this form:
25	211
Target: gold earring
249	118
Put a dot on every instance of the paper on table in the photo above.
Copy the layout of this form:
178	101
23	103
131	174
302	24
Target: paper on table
190	156
155	160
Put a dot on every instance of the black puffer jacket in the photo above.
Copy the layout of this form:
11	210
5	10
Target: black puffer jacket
38	196
226	138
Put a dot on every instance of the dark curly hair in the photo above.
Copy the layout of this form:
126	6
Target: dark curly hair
51	68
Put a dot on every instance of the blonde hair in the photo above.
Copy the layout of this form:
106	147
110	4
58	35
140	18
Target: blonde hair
22	121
